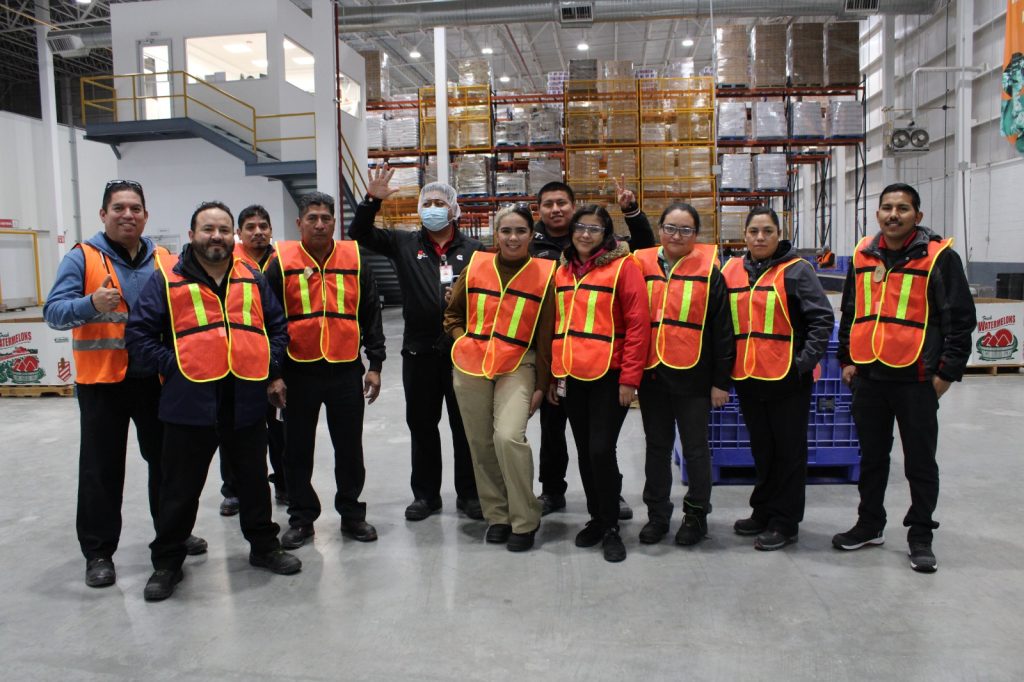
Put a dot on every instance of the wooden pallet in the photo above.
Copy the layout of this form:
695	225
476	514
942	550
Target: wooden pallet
993	370
65	391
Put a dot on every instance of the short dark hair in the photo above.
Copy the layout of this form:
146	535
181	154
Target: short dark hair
205	206
315	199
122	186
521	210
606	222
763	210
250	211
915	198
681	206
556	186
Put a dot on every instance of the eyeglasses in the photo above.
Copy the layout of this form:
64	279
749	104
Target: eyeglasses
681	230
583	228
123	183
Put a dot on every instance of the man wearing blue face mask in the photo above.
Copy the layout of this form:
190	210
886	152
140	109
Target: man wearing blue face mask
427	262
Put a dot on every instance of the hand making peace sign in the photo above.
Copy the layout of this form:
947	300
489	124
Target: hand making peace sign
624	196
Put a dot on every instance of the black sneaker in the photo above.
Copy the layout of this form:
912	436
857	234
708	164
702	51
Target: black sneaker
611	545
590	535
229	507
277	561
749	526
551	503
99	572
520	542
195	545
653	532
497	534
922	559
296	536
857	537
359	530
470	506
421	509
625	511
161	584
771	540
693	530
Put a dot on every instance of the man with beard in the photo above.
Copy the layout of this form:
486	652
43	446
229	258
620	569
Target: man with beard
211	326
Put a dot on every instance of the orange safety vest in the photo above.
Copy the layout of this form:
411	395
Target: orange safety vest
500	321
240	254
211	339
584	339
98	346
760	321
678	310
891	319
321	304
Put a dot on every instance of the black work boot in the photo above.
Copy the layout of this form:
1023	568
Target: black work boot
695	525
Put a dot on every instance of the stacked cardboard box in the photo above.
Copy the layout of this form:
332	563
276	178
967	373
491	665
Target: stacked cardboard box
546	125
768	121
616	76
407	180
659	166
770	172
472	174
474	72
621	127
402	131
654	131
806	120
542	171
508	133
730	223
693	126
681	69
693	162
768	55
509	184
474	133
582	75
736	172
583	172
842	53
378	83
556	82
806	54
621	162
732	120
733	55
583	127
845	119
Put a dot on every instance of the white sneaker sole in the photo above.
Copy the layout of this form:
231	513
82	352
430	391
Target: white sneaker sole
923	569
850	548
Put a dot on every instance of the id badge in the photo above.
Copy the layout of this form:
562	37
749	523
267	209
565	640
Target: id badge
447	274
560	388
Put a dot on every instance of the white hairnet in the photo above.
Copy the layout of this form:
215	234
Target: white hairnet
447	192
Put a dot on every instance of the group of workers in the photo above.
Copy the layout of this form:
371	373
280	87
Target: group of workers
237	346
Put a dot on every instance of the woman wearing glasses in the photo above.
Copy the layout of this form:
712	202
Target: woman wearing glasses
501	317
688	364
598	355
782	321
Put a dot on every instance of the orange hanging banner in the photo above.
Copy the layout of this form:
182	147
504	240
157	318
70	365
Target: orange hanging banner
1012	110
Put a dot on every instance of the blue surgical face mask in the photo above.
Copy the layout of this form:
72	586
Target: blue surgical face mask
434	218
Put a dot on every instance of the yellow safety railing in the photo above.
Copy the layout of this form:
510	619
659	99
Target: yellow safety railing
102	93
355	170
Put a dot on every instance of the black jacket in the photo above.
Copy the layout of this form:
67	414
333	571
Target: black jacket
418	267
546	246
718	349
951	315
810	314
371	326
227	402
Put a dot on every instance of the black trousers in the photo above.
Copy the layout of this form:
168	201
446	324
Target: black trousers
914	407
596	418
340	391
275	446
662	411
189	452
427	380
106	410
554	453
778	442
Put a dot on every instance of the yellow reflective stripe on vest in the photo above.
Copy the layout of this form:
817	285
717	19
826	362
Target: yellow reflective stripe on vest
867	293
734	308
560	297
339	281
769	312
481	304
684	309
901	309
247	304
588	327
304	293
197	303
516	316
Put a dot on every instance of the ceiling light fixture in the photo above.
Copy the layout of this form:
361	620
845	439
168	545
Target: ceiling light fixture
83	2
487	50
687	42
237	48
583	47
415	54
504	79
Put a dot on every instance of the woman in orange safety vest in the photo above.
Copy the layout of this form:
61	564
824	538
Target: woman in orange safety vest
688	367
501	316
602	332
782	322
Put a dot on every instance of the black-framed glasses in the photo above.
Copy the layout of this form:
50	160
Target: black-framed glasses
681	230
582	228
123	183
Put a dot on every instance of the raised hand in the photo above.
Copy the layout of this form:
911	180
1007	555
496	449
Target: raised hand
106	298
378	186
624	196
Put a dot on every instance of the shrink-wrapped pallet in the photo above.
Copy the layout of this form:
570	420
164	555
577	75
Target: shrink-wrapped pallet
474	72
845	119
842	53
472	175
770	173
542	171
732	51
509	184
732	120
736	172
806	120
768	55
768	121
806	54
546	126
507	133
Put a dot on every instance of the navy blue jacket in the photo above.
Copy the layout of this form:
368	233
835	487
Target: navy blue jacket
150	344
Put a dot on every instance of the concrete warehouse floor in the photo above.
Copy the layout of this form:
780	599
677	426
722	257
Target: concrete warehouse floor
431	601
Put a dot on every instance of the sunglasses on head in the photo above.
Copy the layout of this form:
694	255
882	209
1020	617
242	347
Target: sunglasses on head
123	183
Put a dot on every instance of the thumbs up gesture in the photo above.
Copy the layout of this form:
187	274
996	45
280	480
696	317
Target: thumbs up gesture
106	298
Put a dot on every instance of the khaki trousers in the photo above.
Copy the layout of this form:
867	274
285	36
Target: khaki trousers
495	413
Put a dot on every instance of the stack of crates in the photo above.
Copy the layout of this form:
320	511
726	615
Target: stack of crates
833	451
